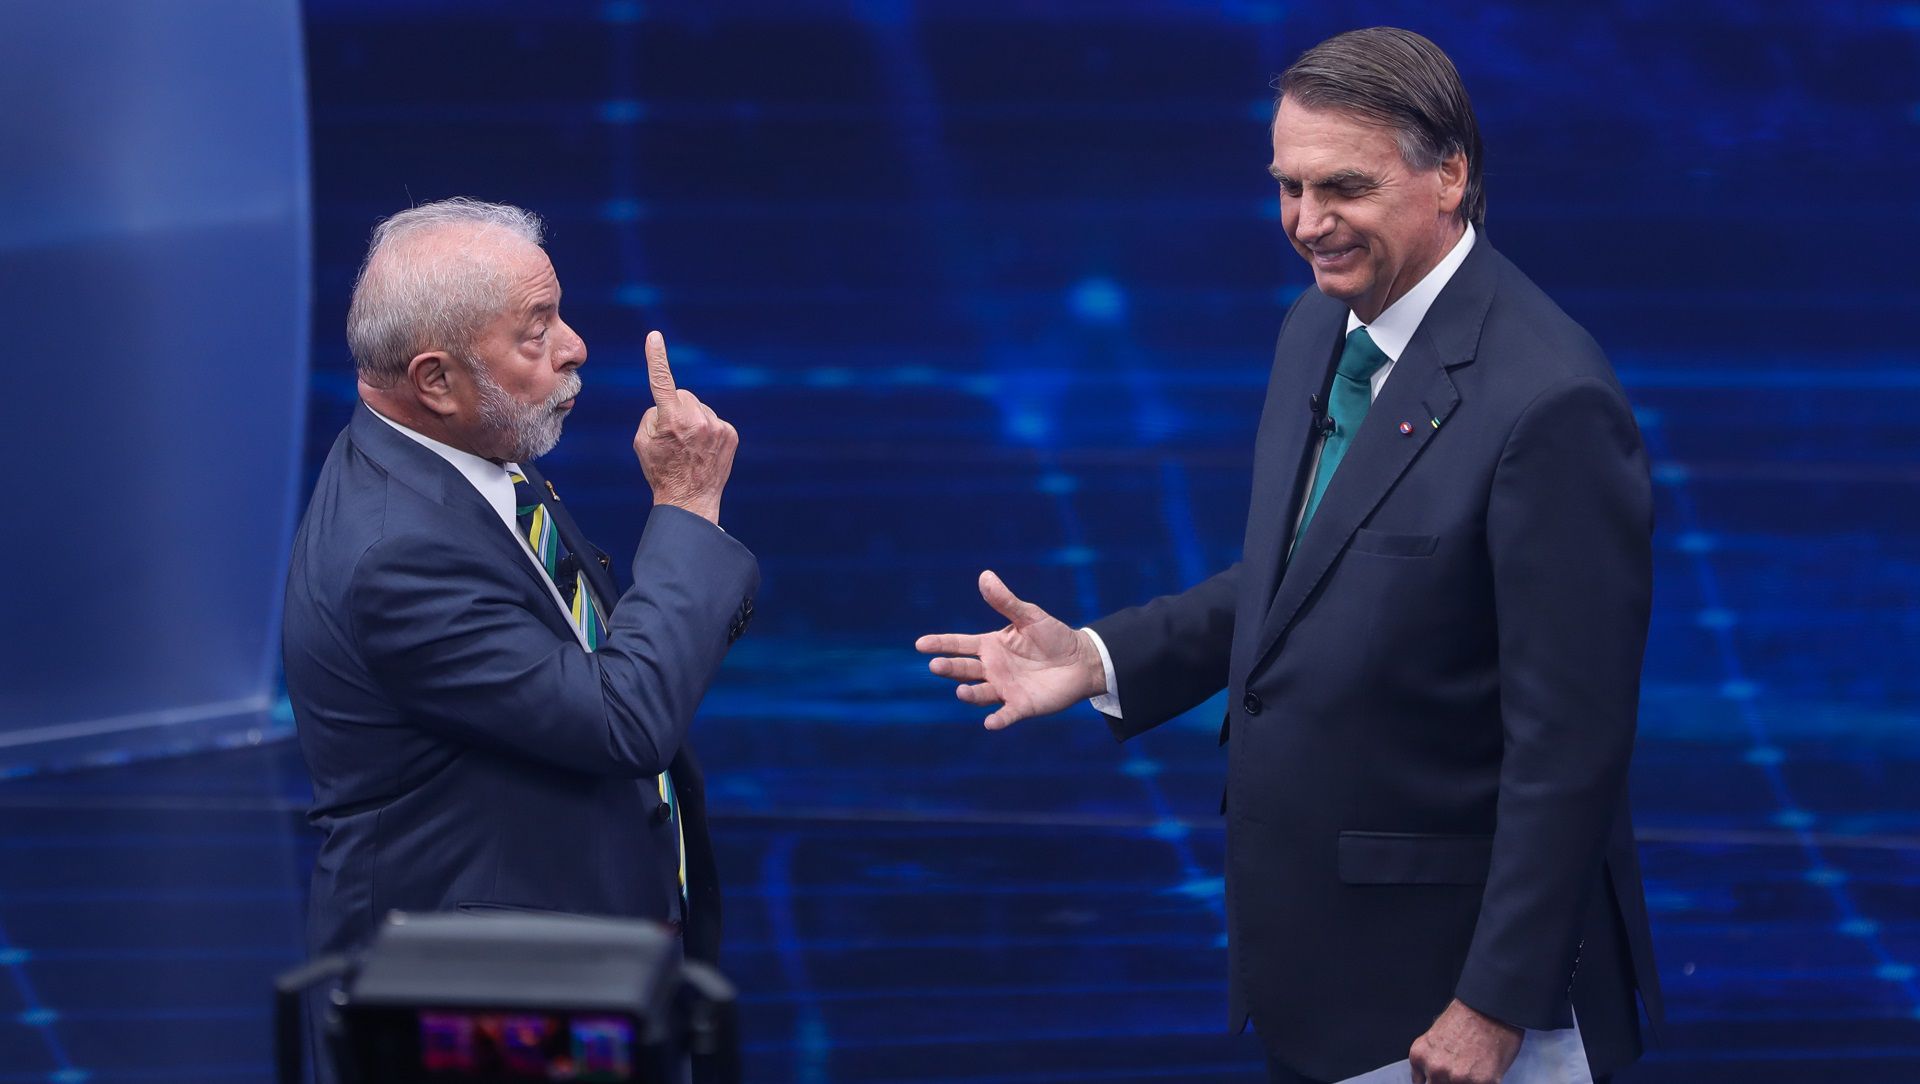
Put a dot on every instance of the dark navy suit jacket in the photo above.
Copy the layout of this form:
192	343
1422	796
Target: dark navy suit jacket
1432	706
466	752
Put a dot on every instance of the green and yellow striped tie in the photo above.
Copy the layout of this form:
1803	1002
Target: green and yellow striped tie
543	537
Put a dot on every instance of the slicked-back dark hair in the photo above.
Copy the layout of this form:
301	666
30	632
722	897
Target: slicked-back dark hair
1401	81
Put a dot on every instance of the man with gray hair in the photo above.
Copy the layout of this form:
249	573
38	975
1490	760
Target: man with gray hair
490	724
1431	645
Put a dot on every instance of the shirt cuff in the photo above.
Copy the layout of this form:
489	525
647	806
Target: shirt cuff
1107	703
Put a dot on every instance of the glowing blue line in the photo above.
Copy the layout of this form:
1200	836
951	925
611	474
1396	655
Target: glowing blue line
16	965
1735	672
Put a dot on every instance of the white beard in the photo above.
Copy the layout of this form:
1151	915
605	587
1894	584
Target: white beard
521	431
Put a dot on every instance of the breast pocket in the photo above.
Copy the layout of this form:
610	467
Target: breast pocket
1389	544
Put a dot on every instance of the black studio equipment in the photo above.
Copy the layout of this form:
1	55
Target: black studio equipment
473	999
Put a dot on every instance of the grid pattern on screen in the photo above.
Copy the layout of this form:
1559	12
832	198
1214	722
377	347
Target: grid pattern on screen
993	285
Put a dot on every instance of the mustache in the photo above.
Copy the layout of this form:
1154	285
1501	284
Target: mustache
570	386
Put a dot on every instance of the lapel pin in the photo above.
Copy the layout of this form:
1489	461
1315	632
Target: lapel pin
551	493
1406	429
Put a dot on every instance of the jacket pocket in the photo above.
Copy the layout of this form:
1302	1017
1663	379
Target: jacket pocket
1389	544
482	907
1413	858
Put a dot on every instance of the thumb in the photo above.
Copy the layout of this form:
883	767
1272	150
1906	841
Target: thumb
1004	600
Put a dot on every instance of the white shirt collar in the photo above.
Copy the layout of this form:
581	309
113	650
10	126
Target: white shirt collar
493	480
1393	329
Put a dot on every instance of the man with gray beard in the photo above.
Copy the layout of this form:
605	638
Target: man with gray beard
490	724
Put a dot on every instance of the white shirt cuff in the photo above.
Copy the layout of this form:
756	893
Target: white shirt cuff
1107	703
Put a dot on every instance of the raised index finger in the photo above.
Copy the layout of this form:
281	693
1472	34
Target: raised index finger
659	375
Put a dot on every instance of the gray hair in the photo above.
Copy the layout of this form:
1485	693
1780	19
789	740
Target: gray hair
1400	80
410	298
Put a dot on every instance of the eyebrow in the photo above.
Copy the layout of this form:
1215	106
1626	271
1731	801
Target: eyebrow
1345	178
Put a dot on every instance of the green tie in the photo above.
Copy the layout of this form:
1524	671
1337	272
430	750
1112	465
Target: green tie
1347	406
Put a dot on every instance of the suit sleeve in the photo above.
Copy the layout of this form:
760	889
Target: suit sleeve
449	636
1171	653
1569	527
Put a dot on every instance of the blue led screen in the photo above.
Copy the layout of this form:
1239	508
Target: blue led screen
995	285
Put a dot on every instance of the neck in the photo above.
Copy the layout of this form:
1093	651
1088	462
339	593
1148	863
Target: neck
409	413
1450	235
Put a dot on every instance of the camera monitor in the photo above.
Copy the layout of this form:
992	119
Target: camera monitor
467	999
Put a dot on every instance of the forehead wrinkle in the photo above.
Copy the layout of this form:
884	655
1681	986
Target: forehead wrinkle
537	288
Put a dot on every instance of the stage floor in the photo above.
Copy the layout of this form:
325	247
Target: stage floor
912	899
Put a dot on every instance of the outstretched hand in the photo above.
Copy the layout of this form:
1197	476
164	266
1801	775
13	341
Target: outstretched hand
1034	666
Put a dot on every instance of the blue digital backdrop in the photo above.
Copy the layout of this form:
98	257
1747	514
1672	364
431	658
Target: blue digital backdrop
154	264
995	285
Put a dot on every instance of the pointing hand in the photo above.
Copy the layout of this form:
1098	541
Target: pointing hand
684	448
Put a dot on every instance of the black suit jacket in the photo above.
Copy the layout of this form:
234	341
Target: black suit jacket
465	752
1432	706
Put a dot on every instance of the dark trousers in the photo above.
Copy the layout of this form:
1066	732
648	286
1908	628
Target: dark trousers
1280	1074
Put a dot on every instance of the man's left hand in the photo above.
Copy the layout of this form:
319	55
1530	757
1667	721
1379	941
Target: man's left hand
1464	1046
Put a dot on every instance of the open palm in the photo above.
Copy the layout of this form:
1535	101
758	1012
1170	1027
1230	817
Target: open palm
1034	666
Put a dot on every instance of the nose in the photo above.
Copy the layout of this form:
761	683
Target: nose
573	349
1311	221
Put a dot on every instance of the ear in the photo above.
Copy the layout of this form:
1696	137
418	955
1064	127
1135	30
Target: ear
1453	182
435	379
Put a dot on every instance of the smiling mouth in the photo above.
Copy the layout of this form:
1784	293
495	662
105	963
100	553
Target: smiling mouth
1332	255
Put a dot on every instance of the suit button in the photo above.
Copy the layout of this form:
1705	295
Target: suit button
1251	703
662	813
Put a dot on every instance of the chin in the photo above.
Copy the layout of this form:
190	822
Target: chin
544	442
1339	287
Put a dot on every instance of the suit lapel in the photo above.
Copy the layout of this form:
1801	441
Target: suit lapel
421	470
1419	394
1286	433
